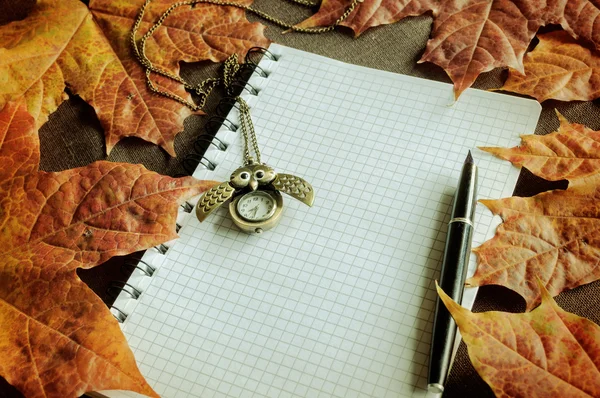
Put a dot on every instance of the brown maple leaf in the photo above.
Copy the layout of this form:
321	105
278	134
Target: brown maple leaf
553	236
547	352
61	42
470	36
558	68
571	152
190	34
58	339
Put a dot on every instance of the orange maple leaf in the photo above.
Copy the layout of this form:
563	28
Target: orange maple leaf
553	236
558	68
572	152
58	339
62	41
470	37
547	352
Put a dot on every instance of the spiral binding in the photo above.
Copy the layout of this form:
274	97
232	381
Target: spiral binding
190	163
144	267
187	207
162	248
117	287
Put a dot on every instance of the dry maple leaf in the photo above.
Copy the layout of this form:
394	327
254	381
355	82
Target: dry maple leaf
60	42
553	236
368	13
58	339
571	152
470	36
190	34
473	36
547	352
558	68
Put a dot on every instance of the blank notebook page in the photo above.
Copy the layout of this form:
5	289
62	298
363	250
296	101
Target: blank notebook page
338	300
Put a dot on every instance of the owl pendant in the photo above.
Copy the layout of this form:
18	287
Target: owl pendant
255	190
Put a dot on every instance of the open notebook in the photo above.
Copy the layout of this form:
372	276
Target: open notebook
338	300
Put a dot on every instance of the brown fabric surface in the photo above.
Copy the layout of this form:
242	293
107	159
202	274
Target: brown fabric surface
73	137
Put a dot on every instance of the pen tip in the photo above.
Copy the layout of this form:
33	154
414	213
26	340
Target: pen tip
469	158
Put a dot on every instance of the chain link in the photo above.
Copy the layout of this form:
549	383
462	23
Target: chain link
204	88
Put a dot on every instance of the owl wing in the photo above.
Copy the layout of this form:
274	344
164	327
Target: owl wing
213	199
296	187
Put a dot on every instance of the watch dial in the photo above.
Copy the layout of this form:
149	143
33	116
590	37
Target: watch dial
256	206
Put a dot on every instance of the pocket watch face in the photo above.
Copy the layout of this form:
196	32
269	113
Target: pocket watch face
256	206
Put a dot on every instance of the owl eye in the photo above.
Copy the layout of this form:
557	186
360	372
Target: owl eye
244	176
259	174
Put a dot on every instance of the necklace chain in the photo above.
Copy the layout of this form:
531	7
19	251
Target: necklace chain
248	132
231	65
204	88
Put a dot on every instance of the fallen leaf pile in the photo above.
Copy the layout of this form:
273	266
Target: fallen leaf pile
88	51
470	37
57	337
547	352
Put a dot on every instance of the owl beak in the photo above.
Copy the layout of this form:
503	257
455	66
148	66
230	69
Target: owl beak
253	184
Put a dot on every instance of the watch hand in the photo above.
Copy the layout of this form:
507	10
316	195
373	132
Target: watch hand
255	209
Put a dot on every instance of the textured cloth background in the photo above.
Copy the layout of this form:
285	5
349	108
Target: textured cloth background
73	137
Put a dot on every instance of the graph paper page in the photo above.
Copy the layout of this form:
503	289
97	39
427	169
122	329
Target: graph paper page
338	300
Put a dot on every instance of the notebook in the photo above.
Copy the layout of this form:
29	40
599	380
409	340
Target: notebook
338	299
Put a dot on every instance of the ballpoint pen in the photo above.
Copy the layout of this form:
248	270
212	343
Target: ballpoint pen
452	278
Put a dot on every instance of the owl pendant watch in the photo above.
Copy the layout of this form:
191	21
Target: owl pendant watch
254	189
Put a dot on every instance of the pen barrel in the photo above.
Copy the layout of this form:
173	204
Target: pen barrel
454	270
466	194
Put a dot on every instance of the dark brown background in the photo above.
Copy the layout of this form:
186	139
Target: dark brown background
73	137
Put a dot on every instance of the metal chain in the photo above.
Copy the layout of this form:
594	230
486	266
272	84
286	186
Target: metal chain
248	132
304	3
231	67
204	88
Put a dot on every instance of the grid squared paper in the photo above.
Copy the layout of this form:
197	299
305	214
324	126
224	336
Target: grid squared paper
338	300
